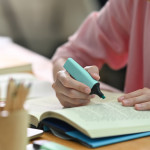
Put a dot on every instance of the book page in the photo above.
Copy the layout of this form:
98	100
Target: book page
37	106
106	117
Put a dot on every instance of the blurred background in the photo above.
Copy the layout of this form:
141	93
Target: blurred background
43	25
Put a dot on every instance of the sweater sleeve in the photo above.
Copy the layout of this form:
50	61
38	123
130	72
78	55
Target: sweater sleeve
102	38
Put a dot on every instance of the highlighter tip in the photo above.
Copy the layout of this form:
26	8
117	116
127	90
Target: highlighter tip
103	97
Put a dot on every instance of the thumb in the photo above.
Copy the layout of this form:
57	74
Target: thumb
93	71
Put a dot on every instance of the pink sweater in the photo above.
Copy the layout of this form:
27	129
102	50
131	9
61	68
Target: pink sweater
118	35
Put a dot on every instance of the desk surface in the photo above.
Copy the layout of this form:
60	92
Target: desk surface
45	73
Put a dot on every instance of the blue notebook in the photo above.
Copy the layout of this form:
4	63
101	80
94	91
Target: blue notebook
65	131
98	142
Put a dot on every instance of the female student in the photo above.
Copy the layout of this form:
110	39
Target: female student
118	35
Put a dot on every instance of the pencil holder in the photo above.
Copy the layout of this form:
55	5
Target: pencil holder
13	130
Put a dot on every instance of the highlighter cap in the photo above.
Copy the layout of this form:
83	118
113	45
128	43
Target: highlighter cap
79	73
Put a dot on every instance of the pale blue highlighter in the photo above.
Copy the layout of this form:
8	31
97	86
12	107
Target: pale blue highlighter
81	75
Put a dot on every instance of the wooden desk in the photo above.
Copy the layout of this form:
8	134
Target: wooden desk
42	68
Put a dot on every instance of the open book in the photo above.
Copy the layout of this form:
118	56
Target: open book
101	118
39	108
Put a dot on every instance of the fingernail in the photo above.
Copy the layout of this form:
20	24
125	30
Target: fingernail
121	98
96	75
87	90
92	96
126	102
139	106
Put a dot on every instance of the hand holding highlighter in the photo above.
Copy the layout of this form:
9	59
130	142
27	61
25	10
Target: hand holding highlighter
81	75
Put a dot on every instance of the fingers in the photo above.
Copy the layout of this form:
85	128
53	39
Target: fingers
70	92
143	106
140	99
134	94
93	71
69	82
135	100
68	102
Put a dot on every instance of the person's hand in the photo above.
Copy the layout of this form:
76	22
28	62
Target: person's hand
140	99
70	92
